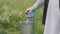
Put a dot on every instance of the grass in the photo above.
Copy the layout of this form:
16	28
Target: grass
14	32
16	8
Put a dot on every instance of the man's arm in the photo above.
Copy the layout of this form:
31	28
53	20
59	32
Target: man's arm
38	4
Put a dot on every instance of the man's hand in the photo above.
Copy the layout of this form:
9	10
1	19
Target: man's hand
29	10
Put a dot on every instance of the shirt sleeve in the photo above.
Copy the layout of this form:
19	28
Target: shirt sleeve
38	3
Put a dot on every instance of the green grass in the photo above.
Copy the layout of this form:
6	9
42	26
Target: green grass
13	11
14	32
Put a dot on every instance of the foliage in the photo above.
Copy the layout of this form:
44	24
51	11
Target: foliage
2	31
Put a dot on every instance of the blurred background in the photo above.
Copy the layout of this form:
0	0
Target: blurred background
13	11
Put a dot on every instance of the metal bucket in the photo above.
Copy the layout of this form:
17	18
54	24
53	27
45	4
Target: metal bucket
26	27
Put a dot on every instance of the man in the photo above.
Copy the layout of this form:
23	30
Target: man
52	17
